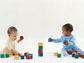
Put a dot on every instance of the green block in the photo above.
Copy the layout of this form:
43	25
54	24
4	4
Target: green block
59	55
79	55
40	47
7	55
2	56
73	52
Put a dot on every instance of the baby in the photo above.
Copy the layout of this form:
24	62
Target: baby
67	39
11	42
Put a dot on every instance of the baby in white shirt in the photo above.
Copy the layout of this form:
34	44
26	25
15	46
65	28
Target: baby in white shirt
11	42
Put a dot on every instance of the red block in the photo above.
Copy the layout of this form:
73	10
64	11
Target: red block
69	52
40	51
28	57
82	56
21	37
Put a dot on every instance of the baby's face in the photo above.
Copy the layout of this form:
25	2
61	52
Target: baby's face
64	32
13	35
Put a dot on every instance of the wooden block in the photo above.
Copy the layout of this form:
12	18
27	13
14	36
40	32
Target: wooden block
26	53
82	56
22	57
2	55
55	54
77	53
59	55
40	44
28	57
40	51
40	47
16	57
69	52
7	55
40	54
21	37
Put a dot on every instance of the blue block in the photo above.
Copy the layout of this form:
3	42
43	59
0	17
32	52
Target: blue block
73	55
30	55
22	57
76	56
40	54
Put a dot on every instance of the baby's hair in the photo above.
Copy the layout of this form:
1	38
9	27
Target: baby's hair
11	29
68	27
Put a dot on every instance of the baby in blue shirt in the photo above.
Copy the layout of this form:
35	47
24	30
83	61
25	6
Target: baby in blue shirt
67	39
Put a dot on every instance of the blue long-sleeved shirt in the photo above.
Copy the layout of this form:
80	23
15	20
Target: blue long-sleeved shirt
71	40
71	43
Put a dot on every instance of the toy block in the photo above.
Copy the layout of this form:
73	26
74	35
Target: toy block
82	56
40	47
28	57
40	51
7	55
26	53
59	55
40	54
79	55
73	55
40	44
73	52
69	52
2	56
22	57
16	57
55	54
76	56
21	37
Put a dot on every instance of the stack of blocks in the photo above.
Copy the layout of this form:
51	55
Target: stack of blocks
26	54
40	49
4	55
57	54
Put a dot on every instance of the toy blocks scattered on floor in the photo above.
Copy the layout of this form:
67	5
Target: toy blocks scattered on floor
40	49
4	55
57	54
76	55
26	55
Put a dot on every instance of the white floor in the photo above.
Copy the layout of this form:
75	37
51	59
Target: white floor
49	48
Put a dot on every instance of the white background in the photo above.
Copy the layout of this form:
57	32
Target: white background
41	18
37	20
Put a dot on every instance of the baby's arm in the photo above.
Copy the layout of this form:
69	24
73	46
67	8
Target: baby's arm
59	40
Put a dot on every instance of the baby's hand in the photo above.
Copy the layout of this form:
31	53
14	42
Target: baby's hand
50	40
66	42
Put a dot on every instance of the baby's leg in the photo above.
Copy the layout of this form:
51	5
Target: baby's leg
79	50
64	52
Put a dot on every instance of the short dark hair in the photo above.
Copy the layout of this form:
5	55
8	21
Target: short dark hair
11	29
68	27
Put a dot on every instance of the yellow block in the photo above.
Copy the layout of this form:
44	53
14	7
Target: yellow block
76	53
16	57
40	44
27	52
55	54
